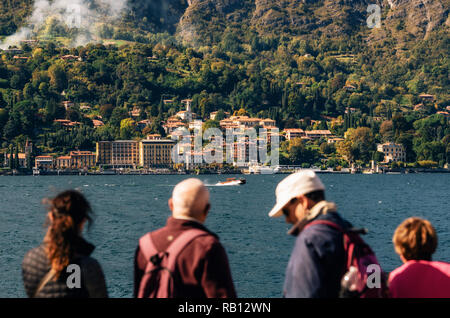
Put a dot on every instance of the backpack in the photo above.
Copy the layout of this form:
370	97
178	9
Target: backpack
158	280
359	256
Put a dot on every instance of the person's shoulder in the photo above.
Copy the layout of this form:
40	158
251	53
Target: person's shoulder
317	230
35	263
90	266
397	271
410	268
440	264
320	237
207	240
89	262
36	254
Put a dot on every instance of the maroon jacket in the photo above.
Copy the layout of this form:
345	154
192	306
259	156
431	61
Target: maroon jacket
202	267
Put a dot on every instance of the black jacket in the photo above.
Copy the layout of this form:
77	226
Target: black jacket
36	265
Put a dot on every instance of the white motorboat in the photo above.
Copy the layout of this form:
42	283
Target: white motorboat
232	182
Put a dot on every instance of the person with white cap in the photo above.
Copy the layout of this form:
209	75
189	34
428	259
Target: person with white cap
317	262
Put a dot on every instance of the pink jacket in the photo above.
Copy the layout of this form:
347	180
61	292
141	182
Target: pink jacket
420	279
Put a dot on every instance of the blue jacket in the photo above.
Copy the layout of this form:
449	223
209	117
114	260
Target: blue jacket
317	261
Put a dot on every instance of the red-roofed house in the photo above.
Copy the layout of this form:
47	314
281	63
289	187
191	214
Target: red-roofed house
44	162
22	159
427	97
317	134
292	133
97	123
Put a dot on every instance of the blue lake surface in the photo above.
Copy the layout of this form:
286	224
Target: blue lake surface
126	207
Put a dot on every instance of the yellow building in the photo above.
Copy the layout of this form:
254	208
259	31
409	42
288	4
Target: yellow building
76	160
155	153
119	153
63	162
103	153
82	159
130	153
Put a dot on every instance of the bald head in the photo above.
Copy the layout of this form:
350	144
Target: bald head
190	198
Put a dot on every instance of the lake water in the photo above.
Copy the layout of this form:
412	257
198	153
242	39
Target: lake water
258	247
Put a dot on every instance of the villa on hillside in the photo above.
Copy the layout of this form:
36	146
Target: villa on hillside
392	152
317	134
292	133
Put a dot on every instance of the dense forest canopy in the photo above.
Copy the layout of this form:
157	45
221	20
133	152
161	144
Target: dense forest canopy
290	62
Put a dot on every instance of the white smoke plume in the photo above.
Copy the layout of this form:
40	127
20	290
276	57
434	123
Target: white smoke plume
21	34
82	15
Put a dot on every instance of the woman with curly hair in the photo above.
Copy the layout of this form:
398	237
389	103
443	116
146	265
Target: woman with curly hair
62	267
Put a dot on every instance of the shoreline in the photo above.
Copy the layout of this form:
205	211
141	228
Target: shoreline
232	172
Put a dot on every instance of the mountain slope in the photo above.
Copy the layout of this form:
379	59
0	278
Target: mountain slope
202	22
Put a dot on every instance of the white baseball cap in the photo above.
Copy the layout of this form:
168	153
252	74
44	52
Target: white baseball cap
296	184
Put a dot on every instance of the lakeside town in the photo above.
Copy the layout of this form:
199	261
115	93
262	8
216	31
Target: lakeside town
154	153
55	124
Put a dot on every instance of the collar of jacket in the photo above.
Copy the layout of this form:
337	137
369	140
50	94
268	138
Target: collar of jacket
323	207
186	224
83	247
186	218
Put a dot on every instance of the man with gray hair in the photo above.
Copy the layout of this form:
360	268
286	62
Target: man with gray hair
200	268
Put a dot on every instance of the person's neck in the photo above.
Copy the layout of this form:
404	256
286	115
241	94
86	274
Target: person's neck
321	207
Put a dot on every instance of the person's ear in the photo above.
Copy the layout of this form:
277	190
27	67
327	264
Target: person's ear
81	226
171	204
301	207
305	202
50	216
207	207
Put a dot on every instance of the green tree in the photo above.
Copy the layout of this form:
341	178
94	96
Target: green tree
2	101
378	156
156	128
106	111
16	158
359	144
387	130
58	77
298	153
327	148
127	128
211	124
3	119
220	115
11	156
118	114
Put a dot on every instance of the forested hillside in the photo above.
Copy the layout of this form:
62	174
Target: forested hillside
287	60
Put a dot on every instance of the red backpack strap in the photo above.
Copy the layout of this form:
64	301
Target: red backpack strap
180	243
325	222
147	247
166	283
